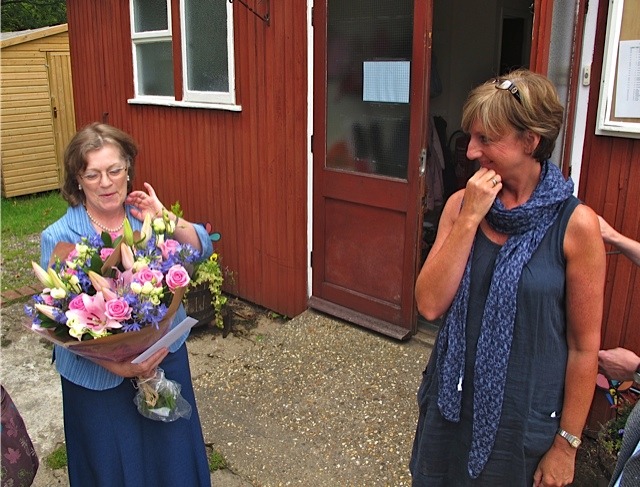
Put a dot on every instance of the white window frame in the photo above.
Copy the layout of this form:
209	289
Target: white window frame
190	98
225	97
607	124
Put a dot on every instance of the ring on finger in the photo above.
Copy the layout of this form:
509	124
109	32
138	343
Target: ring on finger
494	181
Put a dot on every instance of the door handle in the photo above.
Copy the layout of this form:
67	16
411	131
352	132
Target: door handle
55	112
423	161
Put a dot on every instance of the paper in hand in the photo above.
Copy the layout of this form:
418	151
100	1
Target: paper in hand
167	340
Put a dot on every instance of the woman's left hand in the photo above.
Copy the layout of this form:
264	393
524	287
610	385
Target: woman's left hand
145	203
127	369
556	469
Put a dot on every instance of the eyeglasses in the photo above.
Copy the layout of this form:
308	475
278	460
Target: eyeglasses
508	85
114	174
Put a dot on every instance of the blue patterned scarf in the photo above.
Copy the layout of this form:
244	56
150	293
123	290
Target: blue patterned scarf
526	225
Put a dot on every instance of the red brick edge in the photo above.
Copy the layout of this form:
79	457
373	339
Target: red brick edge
11	295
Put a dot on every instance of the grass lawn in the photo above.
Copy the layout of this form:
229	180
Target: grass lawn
23	218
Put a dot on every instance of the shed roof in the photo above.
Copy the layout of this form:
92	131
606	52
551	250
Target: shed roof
18	37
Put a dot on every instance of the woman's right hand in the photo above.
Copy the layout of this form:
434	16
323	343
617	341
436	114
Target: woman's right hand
126	369
480	193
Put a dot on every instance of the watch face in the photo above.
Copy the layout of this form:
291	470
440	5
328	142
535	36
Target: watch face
575	443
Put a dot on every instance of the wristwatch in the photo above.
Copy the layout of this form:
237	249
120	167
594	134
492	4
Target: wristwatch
636	375
574	441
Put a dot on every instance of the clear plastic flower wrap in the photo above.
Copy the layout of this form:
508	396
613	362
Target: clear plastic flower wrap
159	398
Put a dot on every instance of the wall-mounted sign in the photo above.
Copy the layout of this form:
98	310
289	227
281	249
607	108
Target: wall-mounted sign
386	81
619	104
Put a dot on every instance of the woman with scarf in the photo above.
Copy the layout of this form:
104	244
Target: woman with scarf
517	269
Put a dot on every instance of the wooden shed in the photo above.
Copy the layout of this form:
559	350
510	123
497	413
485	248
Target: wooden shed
37	109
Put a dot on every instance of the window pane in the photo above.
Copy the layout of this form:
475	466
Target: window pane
369	53
150	15
206	46
155	68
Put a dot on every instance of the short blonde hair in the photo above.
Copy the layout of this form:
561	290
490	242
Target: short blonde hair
536	109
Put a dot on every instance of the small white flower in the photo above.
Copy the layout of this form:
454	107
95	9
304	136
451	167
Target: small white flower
147	287
58	293
136	287
159	226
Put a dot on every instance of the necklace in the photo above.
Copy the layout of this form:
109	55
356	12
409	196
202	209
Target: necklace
106	229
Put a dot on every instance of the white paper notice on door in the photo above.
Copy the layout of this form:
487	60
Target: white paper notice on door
628	80
386	81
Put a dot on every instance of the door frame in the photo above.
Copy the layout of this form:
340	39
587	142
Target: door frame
418	136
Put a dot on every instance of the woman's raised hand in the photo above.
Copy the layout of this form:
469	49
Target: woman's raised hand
480	193
145	203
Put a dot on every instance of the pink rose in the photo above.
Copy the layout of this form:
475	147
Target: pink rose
117	309
72	255
177	277
77	303
169	247
105	252
149	275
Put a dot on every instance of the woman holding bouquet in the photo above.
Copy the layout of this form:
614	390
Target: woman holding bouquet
109	443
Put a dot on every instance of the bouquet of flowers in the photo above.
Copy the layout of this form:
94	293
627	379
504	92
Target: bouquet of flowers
112	299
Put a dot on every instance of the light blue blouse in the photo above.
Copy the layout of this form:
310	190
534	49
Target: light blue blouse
74	225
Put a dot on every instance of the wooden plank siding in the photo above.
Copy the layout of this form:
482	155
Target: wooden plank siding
244	172
609	183
29	162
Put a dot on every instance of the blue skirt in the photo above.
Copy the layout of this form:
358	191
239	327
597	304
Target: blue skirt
110	444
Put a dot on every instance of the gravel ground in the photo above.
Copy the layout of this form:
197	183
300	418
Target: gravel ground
314	401
311	401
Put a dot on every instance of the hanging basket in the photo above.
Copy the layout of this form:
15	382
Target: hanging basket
198	305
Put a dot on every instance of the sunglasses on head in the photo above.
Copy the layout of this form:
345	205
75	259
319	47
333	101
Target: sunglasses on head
508	85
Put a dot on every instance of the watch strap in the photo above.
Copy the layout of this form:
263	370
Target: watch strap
573	440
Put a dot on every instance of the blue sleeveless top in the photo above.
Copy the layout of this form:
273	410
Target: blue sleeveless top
534	389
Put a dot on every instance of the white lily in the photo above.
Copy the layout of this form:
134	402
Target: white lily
99	283
145	232
127	257
127	232
42	275
57	282
48	311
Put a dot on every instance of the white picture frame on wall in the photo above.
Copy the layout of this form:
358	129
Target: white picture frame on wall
619	100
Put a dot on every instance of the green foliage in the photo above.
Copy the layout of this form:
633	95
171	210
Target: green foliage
25	215
276	316
610	435
216	461
32	14
176	209
210	274
57	458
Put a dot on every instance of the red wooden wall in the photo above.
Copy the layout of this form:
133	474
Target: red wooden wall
610	184
244	172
